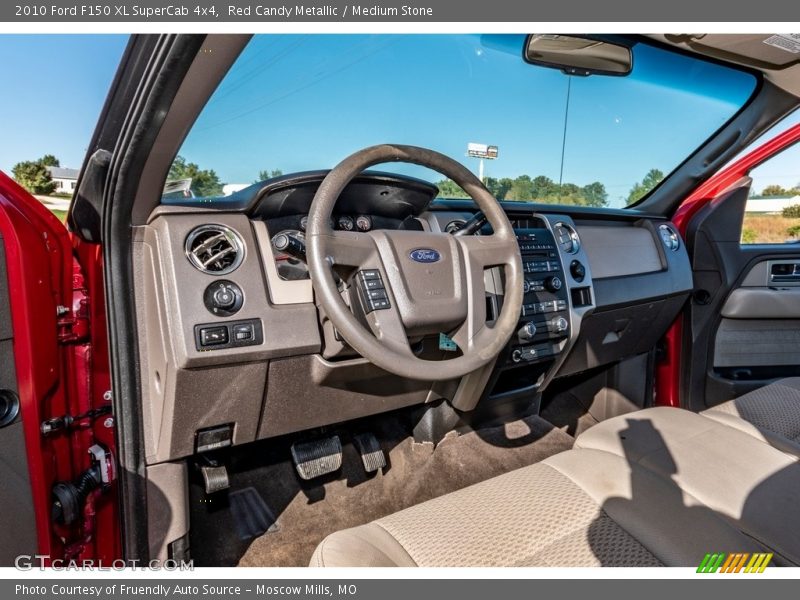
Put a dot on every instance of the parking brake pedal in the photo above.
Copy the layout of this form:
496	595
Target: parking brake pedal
318	457
370	450
215	478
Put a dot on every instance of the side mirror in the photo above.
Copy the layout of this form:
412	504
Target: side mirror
575	55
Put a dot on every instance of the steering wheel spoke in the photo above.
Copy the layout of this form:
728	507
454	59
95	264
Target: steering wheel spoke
349	248
488	250
387	327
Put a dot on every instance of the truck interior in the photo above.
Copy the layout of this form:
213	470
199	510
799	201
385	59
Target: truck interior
382	360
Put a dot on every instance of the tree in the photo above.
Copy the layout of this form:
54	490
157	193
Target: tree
542	187
791	212
205	182
34	177
521	190
265	174
595	194
773	190
48	160
450	189
641	189
499	187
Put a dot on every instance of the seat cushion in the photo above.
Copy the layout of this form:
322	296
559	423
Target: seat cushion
749	482
770	413
578	508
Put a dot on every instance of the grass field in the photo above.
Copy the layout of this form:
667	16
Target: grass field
769	229
61	214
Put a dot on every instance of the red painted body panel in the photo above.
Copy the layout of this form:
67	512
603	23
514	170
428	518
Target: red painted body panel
61	365
37	252
668	372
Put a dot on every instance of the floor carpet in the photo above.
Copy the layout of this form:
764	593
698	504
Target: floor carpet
306	512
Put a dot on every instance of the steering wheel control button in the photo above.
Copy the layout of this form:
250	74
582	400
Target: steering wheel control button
223	298
212	336
577	270
216	336
371	289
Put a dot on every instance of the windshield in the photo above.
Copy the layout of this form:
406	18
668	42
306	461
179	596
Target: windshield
303	102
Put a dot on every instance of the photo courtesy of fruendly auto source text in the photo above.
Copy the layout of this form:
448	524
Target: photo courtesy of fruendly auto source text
399	299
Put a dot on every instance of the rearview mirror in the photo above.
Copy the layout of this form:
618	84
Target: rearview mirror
575	55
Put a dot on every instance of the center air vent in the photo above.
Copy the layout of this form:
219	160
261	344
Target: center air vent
567	238
214	249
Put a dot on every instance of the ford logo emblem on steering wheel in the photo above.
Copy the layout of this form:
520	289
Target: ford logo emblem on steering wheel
424	255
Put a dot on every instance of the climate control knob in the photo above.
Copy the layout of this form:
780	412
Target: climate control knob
527	331
553	283
560	324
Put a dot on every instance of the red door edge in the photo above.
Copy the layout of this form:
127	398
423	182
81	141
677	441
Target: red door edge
668	371
61	366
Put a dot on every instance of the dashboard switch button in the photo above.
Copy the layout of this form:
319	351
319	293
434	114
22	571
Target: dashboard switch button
211	336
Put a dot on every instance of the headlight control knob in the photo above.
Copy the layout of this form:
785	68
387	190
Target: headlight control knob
223	298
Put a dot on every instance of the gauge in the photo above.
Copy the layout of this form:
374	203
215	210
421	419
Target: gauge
345	223
363	223
303	223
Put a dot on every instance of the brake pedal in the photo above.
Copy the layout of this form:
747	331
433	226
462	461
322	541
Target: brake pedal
370	450
215	478
318	457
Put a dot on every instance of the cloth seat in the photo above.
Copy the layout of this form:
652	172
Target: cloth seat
752	484
582	507
770	413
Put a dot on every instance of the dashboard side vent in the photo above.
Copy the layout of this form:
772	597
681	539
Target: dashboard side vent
214	249
669	237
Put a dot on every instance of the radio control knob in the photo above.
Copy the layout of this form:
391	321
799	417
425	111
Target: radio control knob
553	284
527	331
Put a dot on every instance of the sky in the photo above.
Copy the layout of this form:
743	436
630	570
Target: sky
54	87
444	91
298	102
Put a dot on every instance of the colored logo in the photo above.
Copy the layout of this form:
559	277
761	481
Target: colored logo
738	562
424	255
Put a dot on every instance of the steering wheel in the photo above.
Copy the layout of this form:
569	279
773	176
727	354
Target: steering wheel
432	282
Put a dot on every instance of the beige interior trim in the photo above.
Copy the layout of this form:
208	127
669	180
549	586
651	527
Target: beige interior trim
280	291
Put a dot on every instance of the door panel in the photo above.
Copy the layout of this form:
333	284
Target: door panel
17	519
744	325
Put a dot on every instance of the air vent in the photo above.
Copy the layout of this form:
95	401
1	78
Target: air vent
214	249
670	237
567	238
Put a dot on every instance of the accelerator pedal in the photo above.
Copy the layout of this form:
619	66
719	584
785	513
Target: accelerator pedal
318	457
370	450
251	515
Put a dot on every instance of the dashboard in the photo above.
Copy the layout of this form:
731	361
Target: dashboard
234	343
